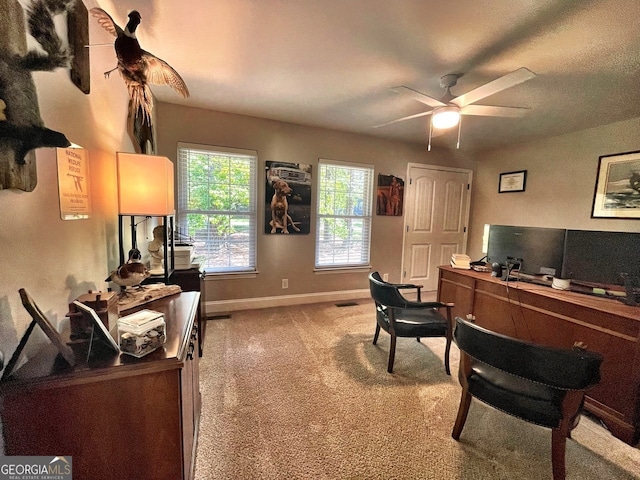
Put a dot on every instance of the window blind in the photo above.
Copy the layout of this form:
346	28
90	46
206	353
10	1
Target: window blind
217	205
344	208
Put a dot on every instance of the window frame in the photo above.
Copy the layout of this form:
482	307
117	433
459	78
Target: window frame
182	209
366	215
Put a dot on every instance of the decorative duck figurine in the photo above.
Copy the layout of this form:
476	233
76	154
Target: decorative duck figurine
131	273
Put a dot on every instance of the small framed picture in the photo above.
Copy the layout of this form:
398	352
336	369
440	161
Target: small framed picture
39	318
512	181
98	326
617	192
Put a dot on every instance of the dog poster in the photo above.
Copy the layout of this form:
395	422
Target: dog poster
390	195
287	198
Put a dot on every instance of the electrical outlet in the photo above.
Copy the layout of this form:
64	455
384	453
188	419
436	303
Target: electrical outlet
385	277
285	283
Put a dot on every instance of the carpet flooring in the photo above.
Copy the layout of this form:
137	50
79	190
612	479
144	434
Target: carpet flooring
301	393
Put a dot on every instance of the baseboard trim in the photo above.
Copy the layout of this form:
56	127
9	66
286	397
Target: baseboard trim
223	306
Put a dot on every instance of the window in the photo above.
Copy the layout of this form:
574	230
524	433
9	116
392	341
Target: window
343	229
217	205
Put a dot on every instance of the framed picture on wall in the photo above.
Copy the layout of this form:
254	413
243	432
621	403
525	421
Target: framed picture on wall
287	198
512	181
390	194
617	192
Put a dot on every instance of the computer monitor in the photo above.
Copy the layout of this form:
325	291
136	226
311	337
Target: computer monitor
538	250
600	257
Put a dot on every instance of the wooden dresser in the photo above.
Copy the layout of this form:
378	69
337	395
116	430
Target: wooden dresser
192	280
117	416
558	318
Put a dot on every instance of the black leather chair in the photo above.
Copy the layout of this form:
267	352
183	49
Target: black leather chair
401	317
539	384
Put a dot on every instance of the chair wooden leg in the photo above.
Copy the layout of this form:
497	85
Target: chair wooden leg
558	449
375	337
446	356
463	410
392	353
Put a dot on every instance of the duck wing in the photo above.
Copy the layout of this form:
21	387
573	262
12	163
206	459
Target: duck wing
105	20
132	269
160	72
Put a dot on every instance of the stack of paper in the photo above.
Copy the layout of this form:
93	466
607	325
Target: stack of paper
183	256
460	260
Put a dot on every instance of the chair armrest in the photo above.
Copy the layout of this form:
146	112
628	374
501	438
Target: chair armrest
410	286
411	304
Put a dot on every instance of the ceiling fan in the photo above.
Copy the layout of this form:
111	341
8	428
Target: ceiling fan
447	111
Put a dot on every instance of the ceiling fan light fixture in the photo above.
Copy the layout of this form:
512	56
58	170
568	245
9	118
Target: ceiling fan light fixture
445	117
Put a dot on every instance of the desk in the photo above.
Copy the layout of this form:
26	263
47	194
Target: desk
558	318
116	415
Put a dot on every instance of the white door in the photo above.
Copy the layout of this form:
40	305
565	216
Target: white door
436	219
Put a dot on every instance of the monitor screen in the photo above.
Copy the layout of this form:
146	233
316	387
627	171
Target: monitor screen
600	257
539	249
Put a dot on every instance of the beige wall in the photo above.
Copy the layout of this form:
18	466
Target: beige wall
292	256
561	176
56	260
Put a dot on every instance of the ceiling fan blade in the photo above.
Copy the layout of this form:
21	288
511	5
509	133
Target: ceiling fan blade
506	81
491	111
421	97
410	117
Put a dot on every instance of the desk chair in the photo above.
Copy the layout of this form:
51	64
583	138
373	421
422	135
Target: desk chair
405	318
538	384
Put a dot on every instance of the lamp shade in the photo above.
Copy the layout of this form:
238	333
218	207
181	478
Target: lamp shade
446	117
145	185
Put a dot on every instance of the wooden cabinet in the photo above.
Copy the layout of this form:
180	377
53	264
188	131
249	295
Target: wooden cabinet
457	289
116	415
192	280
559	318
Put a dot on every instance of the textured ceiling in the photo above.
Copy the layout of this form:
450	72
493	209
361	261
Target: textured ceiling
332	63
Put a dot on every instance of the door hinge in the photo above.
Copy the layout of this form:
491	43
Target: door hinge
407	228
468	186
464	229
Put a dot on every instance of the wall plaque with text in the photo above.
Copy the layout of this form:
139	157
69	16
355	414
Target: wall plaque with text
73	183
